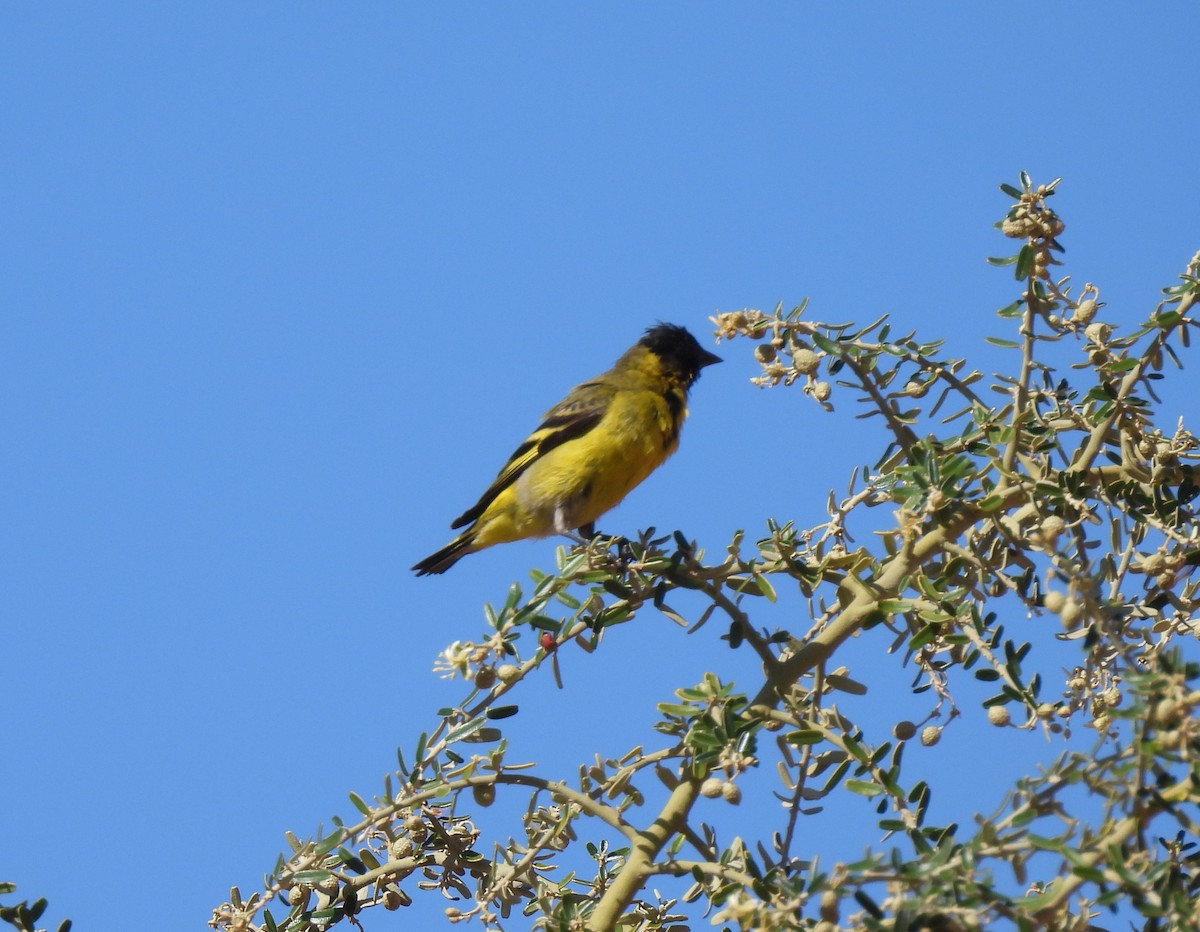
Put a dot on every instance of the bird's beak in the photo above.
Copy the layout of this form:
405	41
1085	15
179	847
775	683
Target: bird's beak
707	358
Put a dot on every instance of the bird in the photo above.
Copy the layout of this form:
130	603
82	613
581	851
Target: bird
590	450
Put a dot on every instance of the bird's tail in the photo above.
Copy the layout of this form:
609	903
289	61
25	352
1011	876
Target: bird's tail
446	557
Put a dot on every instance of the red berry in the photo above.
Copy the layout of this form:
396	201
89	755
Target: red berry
548	642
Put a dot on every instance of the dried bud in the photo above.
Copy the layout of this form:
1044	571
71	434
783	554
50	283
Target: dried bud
401	848
804	360
903	731
998	716
711	788
731	793
1054	602
764	352
508	672
1051	527
299	894
415	826
821	391
829	906
931	735
1154	564
1084	312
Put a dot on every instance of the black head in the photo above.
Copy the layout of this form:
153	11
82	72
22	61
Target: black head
679	349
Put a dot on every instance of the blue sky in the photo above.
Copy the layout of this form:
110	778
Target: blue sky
286	283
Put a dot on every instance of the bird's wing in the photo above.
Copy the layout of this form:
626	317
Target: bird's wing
572	417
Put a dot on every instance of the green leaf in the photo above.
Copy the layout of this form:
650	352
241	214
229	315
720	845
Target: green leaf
1011	191
825	344
925	636
352	861
804	736
1023	816
1006	344
501	711
312	876
612	587
863	788
855	749
330	842
1024	263
360	804
765	588
514	596
845	684
1001	260
465	729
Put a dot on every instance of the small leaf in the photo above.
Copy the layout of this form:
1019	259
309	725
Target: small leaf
1024	263
925	636
845	684
465	729
312	876
863	788
330	842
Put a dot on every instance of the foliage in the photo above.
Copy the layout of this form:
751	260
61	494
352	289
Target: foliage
24	916
1039	493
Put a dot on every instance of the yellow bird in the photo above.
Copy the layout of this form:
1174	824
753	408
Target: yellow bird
590	451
